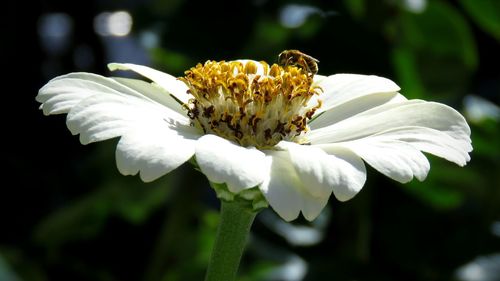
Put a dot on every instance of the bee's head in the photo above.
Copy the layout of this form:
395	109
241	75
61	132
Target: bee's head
282	58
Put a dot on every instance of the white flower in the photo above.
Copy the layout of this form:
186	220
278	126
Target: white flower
296	136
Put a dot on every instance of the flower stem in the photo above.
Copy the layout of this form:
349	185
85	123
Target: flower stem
235	222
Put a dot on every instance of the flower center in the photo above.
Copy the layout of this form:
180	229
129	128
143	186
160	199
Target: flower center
249	102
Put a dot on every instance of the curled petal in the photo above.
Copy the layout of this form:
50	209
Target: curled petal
285	190
282	188
312	205
151	143
155	138
225	162
341	172
153	153
353	107
416	113
153	92
432	141
341	88
102	117
63	92
396	159
350	169
390	137
168	82
312	166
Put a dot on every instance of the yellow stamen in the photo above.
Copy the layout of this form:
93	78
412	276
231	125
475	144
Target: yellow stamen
251	103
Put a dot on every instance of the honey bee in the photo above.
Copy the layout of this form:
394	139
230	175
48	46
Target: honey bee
299	59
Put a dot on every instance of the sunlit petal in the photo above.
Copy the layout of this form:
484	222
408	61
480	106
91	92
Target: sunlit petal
155	136
285	191
225	162
153	92
391	136
152	152
433	141
396	159
341	88
390	116
341	171
352	107
101	117
350	169
63	92
168	82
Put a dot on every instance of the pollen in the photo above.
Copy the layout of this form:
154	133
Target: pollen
251	103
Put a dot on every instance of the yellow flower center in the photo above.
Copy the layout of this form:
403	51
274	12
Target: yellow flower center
249	102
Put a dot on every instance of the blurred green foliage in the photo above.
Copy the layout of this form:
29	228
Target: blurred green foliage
435	51
484	14
87	222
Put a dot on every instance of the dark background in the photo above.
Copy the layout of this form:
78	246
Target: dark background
67	214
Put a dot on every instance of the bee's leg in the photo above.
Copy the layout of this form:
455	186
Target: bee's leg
303	63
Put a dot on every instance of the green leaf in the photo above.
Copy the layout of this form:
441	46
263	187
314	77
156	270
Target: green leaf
139	202
485	13
79	220
269	31
171	61
130	199
435	52
406	66
485	138
356	8
435	195
447	185
441	30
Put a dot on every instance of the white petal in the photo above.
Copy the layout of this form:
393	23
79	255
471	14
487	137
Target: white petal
312	205
285	192
154	138
101	117
152	152
342	172
352	107
312	166
394	115
432	141
350	170
153	92
151	143
225	162
282	187
396	159
389	137
340	88
62	93
168	82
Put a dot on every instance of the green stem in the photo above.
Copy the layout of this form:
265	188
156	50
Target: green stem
235	222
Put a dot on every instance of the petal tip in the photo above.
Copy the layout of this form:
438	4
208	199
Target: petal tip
343	197
114	66
148	178
288	217
310	217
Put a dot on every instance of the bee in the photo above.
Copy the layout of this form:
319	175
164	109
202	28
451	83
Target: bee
299	59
